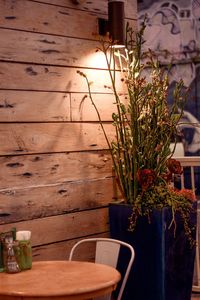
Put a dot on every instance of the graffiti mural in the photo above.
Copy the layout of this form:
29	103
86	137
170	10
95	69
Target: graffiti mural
173	31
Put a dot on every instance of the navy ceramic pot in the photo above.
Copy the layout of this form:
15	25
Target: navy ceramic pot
164	263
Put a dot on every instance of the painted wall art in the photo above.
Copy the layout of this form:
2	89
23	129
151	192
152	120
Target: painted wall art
173	31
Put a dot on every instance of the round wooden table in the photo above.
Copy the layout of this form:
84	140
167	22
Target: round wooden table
59	280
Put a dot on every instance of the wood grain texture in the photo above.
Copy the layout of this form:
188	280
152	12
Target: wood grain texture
63	227
83	110
60	280
58	19
47	49
52	137
45	106
100	6
47	169
51	19
51	78
53	107
61	250
54	199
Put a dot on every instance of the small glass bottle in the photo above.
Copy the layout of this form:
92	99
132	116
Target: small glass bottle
11	265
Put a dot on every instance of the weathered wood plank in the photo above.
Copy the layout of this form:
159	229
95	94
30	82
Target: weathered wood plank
46	49
45	18
100	6
43	201
52	107
83	110
61	250
52	137
63	227
26	171
49	78
23	106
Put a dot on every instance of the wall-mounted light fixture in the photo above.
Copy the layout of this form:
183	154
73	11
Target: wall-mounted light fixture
115	23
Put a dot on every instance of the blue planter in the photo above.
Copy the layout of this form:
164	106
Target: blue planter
164	264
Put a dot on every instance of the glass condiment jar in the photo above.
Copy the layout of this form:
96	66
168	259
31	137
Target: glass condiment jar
10	262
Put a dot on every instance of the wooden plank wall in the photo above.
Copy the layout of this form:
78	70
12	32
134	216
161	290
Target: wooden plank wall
55	170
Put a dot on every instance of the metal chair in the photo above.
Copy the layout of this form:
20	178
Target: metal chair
107	252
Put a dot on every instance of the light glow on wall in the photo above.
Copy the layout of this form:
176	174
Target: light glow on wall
96	60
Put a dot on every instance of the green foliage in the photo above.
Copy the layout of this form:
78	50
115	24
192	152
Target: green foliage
144	127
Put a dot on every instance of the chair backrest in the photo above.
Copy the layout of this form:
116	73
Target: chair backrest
107	252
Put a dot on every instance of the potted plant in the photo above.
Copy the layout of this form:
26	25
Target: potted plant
157	219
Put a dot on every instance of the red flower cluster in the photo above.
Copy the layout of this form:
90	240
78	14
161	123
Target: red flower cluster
146	178
174	168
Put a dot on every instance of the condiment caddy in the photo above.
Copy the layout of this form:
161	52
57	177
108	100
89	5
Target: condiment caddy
15	251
